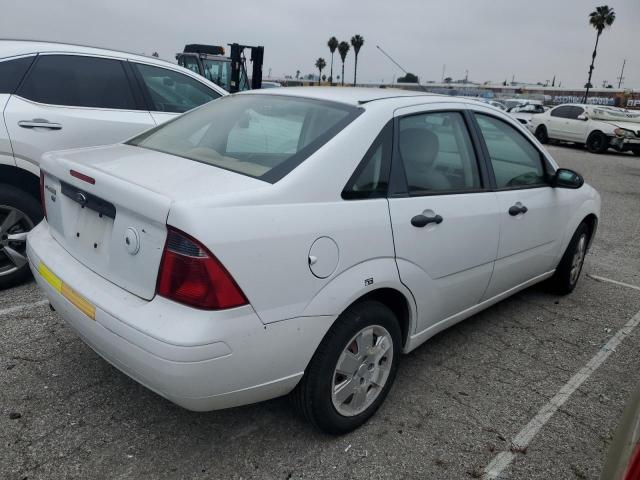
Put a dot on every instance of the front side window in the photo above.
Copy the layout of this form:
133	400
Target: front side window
515	161
561	112
78	81
437	153
262	136
575	112
12	71
173	92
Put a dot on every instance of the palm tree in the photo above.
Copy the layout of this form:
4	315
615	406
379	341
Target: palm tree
297	74
332	44
343	49
600	18
320	64
356	42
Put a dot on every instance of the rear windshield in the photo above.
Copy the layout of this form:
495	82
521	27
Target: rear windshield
262	136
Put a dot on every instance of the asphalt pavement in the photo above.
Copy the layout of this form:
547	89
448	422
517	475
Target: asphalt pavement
459	402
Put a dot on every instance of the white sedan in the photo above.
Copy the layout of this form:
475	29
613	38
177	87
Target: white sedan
300	240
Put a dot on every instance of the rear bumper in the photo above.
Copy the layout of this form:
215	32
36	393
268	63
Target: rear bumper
198	359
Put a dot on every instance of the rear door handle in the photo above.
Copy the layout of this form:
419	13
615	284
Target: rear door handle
423	220
517	209
39	123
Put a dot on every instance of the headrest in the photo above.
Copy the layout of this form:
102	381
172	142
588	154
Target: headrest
419	146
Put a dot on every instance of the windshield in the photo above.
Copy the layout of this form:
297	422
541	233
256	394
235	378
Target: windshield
218	71
262	136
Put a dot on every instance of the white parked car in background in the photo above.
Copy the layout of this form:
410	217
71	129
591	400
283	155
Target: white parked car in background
524	113
598	128
55	96
300	240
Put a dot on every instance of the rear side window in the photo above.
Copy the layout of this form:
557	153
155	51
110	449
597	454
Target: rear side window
371	177
173	92
515	161
262	136
12	71
437	153
78	81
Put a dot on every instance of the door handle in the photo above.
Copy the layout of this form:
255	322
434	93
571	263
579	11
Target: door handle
422	220
39	123
517	209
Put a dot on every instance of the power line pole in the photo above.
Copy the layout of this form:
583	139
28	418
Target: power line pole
621	78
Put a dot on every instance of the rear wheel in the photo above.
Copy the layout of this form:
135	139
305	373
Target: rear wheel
597	142
352	370
636	151
566	277
19	213
542	135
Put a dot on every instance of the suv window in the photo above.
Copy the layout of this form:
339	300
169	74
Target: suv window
371	177
515	161
78	81
12	71
170	91
563	111
437	153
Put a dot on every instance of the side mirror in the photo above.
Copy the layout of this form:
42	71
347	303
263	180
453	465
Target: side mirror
565	178
583	116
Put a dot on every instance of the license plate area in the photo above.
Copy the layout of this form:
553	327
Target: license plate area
88	222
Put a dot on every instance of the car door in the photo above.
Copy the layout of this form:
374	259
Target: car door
68	101
556	125
533	215
576	128
11	72
170	93
445	218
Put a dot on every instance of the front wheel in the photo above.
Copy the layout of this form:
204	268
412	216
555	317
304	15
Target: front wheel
542	135
352	370
566	277
19	213
597	142
636	151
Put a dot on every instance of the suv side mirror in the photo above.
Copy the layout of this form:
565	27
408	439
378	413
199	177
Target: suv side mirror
565	178
583	116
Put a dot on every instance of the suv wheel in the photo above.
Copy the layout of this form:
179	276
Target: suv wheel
597	142
352	370
541	134
19	212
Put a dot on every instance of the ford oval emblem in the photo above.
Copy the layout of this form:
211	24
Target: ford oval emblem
131	241
81	198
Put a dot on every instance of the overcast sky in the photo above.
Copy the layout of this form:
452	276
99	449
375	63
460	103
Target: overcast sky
493	39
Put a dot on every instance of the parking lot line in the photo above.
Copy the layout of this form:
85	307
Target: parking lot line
522	440
616	282
25	306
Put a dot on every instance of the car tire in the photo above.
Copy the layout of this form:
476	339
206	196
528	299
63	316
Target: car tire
19	213
542	135
567	273
341	365
636	151
597	142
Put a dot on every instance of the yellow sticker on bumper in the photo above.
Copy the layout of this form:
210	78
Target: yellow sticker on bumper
67	292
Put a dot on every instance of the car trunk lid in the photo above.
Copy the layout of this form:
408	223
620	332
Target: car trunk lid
108	206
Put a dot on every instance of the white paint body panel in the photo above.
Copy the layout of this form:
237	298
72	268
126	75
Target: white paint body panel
262	233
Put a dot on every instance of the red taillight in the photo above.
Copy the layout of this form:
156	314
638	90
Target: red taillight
42	200
190	274
633	468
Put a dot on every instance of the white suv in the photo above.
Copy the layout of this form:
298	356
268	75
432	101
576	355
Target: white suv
598	128
55	96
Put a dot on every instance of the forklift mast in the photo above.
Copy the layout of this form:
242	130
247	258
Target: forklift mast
238	64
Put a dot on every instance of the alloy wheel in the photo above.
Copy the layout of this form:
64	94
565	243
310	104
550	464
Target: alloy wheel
578	258
362	370
14	226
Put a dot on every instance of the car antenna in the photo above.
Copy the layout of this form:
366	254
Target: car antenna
400	67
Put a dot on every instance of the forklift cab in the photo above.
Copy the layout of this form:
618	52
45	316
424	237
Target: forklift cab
228	72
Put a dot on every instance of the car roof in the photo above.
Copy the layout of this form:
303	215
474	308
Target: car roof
349	95
13	48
